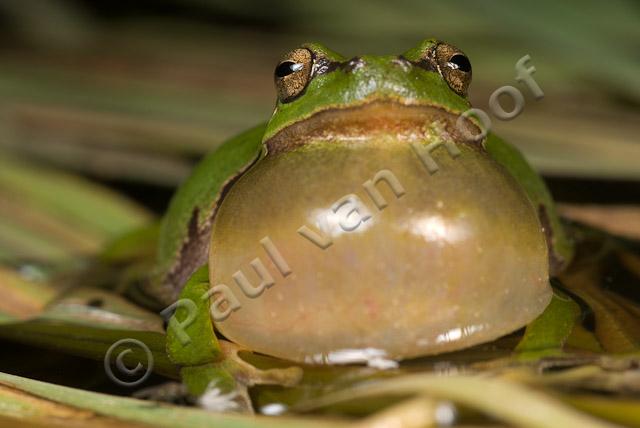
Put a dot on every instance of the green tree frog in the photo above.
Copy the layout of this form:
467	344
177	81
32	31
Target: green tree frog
363	216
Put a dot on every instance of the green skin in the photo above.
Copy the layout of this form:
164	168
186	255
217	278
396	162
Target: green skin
187	224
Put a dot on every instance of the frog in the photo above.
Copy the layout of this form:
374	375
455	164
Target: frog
368	216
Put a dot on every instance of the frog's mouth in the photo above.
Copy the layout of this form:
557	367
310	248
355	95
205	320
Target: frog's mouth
376	117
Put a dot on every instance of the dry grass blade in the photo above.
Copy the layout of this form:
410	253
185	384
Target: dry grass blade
21	298
52	216
503	400
616	327
70	404
25	410
419	412
620	220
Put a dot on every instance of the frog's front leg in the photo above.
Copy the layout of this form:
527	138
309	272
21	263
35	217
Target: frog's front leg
211	369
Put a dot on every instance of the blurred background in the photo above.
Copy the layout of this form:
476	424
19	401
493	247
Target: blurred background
130	94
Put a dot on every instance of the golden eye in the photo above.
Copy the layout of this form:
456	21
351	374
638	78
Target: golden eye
293	74
454	66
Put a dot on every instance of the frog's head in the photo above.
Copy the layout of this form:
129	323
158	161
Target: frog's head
312	78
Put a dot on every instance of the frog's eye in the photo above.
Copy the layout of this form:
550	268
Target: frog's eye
454	66
293	74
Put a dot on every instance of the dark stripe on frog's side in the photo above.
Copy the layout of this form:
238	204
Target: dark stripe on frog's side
195	250
184	236
556	261
559	243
